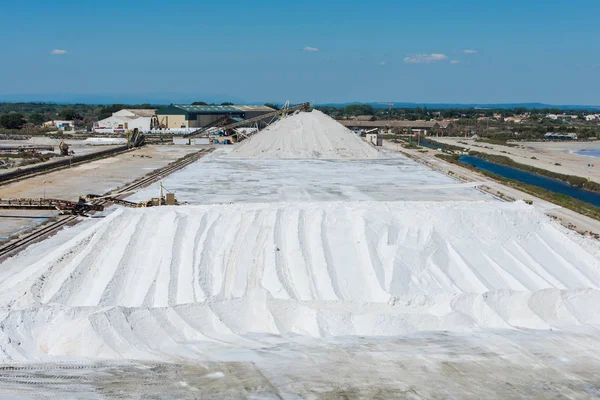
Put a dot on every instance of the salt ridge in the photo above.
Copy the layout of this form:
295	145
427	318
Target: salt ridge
311	135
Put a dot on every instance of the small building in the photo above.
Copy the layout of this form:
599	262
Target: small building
374	138
181	140
560	136
561	116
63	125
127	120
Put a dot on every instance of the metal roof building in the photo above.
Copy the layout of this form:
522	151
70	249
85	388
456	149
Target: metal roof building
254	111
191	116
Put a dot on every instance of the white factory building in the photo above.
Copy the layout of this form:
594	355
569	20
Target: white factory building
127	120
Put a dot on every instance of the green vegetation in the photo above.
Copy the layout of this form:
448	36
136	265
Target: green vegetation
359	109
411	145
572	180
530	124
445	146
68	114
36	119
489	124
12	121
34	114
556	198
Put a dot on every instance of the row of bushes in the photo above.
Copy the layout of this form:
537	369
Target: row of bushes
572	180
444	145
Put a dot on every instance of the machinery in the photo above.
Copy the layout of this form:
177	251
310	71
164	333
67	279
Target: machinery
64	149
206	132
91	202
135	138
167	199
81	207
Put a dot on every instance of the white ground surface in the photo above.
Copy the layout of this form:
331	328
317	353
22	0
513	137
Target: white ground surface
306	279
217	178
104	141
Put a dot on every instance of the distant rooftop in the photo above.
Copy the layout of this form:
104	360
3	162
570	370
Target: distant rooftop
395	124
206	109
141	112
254	108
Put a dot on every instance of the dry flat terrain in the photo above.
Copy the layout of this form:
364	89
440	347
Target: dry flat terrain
357	276
95	177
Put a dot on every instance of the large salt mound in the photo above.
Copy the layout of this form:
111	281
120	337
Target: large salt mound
306	135
177	281
361	251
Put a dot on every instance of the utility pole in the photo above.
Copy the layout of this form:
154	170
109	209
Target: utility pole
160	194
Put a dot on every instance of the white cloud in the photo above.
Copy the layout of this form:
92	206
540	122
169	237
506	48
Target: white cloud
470	51
382	63
58	52
425	58
311	49
455	62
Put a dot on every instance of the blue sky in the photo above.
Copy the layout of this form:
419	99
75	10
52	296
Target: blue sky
320	51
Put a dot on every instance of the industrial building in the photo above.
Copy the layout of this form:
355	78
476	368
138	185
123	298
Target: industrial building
127	120
254	111
178	116
419	127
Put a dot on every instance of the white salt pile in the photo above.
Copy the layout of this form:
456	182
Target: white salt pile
104	141
144	281
306	135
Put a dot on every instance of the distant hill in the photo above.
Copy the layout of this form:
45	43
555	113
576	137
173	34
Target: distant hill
473	105
187	98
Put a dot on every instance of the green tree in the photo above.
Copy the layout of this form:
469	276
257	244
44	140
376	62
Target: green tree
227	104
36	119
12	121
359	109
69	114
199	103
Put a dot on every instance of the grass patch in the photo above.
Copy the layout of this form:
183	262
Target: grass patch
444	146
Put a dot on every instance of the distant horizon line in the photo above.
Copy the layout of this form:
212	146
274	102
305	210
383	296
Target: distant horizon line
183	98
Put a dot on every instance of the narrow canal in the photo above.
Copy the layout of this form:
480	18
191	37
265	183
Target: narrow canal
529	178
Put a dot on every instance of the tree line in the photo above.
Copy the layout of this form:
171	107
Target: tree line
15	116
